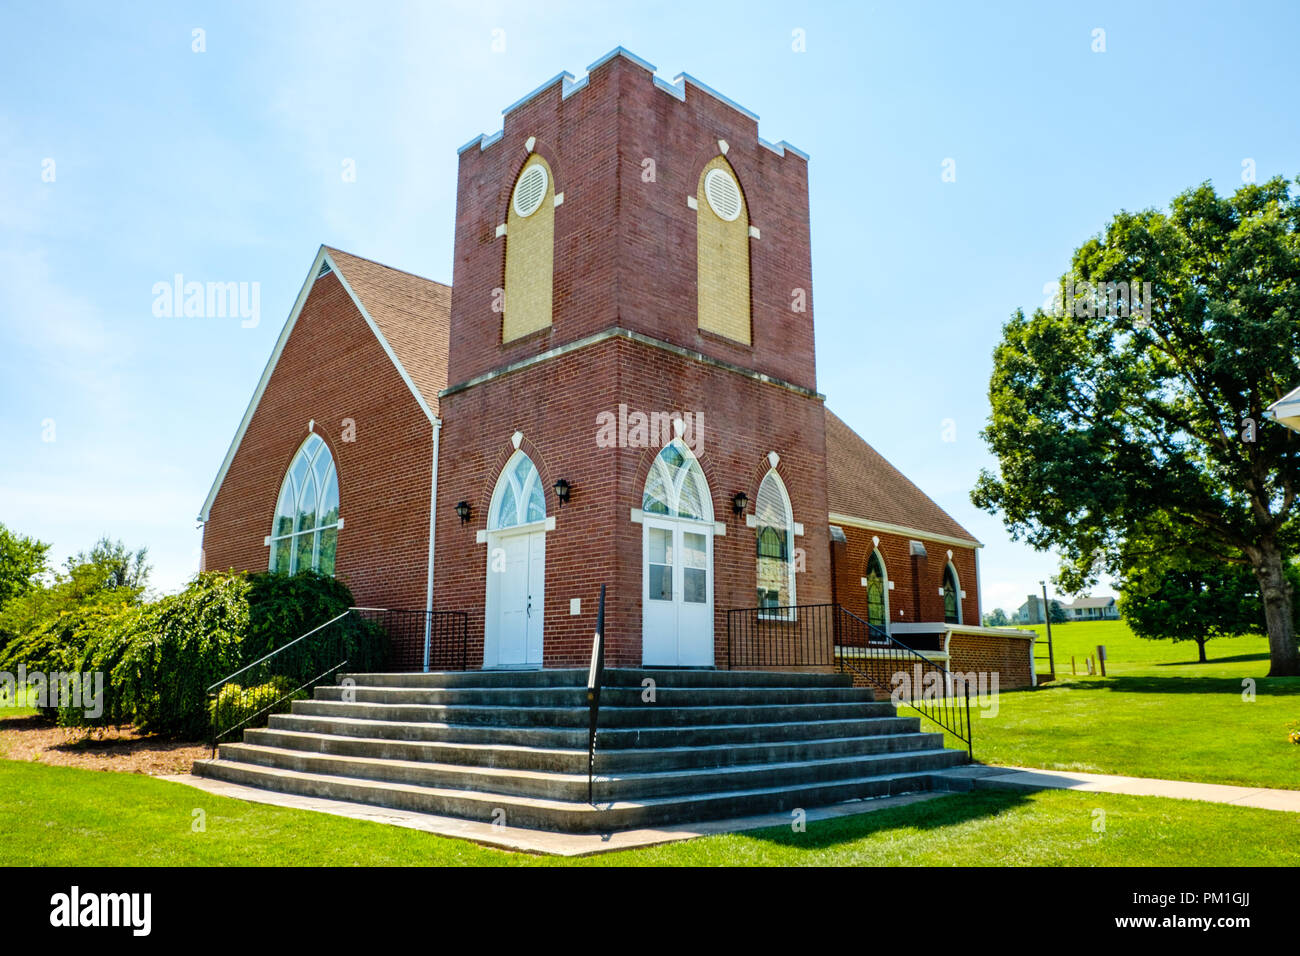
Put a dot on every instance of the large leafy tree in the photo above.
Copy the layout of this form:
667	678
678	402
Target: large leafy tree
1149	403
1193	592
21	560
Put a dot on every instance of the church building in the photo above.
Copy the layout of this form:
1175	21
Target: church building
618	388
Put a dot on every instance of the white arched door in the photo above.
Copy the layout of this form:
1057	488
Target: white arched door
516	568
677	562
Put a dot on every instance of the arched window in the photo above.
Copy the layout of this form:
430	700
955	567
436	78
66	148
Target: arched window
951	596
675	486
519	497
877	585
530	251
304	535
775	525
722	252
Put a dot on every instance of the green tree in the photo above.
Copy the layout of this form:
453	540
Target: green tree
1149	402
1188	593
1056	612
21	560
997	619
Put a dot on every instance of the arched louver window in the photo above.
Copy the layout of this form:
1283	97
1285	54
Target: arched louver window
951	597
876	586
519	497
304	535
775	527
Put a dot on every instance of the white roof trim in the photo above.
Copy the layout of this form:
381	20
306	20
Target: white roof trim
312	275
855	522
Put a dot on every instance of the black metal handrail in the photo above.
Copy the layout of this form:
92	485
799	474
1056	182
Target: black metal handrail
398	639
830	635
233	699
595	678
423	640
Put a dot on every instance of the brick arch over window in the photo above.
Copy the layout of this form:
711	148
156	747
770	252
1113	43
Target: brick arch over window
722	252
530	250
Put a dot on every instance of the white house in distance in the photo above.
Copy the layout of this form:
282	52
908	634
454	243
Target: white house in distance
1092	609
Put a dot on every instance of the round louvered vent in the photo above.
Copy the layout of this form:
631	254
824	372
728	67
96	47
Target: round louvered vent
531	190
723	194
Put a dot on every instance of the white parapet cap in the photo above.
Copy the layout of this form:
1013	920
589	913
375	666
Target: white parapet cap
676	89
1286	410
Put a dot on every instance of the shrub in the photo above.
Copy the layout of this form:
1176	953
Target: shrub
234	703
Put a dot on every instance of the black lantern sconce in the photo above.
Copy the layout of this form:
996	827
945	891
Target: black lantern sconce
562	490
462	509
738	503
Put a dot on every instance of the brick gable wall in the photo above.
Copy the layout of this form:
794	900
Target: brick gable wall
333	367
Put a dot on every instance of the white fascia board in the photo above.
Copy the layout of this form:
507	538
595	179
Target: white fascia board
866	524
322	256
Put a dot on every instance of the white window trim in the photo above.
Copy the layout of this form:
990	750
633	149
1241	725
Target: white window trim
273	539
789	615
956	580
888	584
505	479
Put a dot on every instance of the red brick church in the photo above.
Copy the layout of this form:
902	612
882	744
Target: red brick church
619	387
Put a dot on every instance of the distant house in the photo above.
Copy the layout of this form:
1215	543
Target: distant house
1031	612
1092	609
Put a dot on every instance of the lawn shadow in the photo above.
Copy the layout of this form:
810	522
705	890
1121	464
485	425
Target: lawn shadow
1238	659
1274	686
937	814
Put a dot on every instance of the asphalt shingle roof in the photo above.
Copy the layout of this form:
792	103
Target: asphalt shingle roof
860	483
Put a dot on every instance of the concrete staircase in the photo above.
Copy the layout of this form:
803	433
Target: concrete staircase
511	747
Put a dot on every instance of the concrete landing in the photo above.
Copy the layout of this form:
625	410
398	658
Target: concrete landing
977	776
538	841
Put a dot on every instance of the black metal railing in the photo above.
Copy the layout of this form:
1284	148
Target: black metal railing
595	678
271	682
422	640
830	635
366	638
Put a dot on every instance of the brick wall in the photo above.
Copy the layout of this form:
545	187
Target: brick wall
625	244
333	368
555	405
915	597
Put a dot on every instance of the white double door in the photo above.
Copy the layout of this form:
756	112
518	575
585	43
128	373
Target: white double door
677	593
515	599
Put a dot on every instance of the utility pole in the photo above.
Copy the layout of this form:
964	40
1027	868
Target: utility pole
1047	619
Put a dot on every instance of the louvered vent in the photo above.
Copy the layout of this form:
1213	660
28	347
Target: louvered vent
723	194
531	190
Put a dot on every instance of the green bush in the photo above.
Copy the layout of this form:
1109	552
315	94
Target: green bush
160	659
235	704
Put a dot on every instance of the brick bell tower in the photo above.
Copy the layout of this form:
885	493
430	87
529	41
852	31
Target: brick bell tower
631	313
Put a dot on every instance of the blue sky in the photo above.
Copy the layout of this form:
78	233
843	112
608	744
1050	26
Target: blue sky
224	165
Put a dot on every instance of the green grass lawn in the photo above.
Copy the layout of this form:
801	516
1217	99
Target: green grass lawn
68	817
1157	713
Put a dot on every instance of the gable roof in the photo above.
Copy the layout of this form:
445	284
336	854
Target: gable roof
861	484
409	315
1087	602
413	315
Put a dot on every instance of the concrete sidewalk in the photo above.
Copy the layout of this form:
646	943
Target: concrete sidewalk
1022	778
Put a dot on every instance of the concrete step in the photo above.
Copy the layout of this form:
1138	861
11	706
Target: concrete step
511	696
574	760
610	717
614	677
573	786
562	815
609	738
